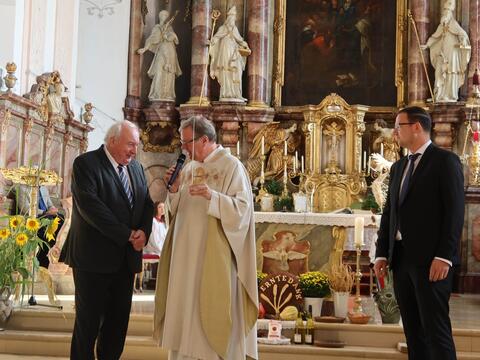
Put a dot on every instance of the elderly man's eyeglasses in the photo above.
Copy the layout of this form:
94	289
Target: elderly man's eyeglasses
185	142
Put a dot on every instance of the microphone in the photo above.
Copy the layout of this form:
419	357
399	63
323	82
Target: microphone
178	167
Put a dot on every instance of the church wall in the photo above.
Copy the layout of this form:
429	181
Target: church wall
102	64
7	35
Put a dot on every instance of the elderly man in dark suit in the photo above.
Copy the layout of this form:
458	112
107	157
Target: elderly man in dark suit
419	235
111	222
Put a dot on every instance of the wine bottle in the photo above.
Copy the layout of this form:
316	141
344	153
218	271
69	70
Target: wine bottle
299	328
309	329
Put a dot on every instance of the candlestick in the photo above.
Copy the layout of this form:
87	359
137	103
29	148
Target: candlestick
263	145
364	159
359	227
357	306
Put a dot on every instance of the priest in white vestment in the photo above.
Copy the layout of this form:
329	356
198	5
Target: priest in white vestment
206	301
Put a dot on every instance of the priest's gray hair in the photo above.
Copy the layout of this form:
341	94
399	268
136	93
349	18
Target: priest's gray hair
115	130
203	126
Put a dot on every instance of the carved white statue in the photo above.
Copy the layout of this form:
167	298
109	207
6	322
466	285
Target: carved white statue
165	67
449	54
227	62
54	98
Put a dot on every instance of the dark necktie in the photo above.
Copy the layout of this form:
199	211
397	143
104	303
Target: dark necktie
408	177
125	183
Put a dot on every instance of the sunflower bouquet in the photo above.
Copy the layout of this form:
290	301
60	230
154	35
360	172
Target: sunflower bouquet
19	242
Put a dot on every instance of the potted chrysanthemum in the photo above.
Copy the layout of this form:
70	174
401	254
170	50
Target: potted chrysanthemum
315	288
19	242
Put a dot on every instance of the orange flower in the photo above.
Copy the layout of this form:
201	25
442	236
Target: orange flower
21	239
4	233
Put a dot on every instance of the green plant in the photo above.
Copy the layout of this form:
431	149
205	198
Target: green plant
18	243
314	284
370	204
283	203
274	187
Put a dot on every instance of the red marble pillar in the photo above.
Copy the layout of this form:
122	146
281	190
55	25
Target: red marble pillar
257	64
133	104
201	29
474	34
418	90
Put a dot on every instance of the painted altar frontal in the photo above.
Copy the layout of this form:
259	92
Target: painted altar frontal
301	242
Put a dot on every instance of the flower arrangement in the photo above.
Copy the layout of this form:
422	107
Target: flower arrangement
314	284
18	243
260	276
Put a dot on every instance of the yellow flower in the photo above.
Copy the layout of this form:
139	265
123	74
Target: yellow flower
4	233
33	224
21	239
52	228
15	221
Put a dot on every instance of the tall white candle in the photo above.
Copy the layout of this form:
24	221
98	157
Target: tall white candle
364	159
303	165
263	145
359	224
368	166
405	151
285	148
381	149
295	162
238	148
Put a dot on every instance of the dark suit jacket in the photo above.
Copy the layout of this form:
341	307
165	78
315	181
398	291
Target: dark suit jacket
102	219
432	212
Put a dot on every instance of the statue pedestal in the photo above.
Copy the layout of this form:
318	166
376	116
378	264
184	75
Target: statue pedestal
446	119
161	110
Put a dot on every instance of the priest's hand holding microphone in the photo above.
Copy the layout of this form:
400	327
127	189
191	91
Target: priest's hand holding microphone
172	180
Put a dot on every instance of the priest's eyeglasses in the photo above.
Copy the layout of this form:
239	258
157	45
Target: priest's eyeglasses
185	142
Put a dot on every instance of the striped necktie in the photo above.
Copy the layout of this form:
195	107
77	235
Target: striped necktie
125	183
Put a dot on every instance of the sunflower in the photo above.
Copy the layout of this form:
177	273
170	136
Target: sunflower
4	233
52	229
21	239
32	224
15	221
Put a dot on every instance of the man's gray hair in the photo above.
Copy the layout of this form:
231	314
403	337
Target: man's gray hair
203	126
115	129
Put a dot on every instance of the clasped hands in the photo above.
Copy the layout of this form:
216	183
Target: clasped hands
138	239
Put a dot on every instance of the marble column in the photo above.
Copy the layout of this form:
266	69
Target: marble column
133	103
257	64
474	34
418	90
201	29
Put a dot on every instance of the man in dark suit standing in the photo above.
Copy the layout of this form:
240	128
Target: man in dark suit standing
111	222
419	235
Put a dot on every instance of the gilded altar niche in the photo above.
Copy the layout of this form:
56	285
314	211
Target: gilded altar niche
333	146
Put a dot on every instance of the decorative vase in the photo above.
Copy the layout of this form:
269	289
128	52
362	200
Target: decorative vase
316	304
6	305
340	303
386	302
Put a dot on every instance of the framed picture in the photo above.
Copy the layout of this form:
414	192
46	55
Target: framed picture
348	47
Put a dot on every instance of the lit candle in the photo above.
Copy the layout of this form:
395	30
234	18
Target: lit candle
364	159
303	166
295	161
238	148
359	224
381	149
368	167
285	148
263	145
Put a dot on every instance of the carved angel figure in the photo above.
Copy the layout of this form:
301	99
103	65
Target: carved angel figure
387	138
275	137
381	167
285	253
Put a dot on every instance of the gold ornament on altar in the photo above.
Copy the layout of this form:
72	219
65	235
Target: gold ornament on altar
386	144
335	175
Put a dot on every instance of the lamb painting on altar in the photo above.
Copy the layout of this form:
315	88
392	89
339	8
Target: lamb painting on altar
341	46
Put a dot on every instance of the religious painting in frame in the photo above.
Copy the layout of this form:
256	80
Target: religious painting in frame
349	47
